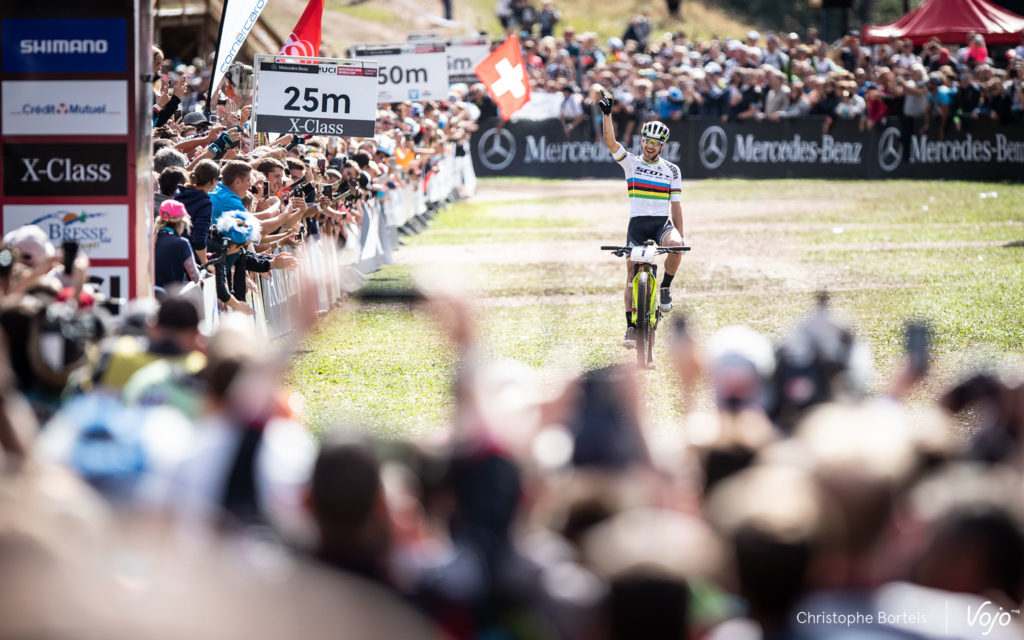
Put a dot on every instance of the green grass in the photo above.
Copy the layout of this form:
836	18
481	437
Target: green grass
389	368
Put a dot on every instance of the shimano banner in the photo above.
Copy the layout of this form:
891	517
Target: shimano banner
708	148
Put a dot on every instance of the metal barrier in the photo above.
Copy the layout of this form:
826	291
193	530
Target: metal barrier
339	269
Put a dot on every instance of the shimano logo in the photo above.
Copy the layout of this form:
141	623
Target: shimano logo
63	170
29	47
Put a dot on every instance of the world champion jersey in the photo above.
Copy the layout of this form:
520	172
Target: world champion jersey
651	186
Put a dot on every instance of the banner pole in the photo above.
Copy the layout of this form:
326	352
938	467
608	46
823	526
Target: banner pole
216	54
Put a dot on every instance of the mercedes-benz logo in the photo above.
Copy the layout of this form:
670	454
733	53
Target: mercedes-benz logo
713	147
497	149
890	149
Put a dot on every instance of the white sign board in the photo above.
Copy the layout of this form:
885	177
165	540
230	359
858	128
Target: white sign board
65	107
113	281
101	230
408	71
317	97
463	56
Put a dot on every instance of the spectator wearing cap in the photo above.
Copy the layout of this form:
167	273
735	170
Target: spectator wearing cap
939	99
773	54
570	112
915	99
714	99
173	261
754	42
195	195
235	231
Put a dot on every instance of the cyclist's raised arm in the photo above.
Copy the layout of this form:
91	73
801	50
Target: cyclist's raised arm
609	134
606	123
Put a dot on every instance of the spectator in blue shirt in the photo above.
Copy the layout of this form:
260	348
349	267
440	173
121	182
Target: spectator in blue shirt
235	181
939	97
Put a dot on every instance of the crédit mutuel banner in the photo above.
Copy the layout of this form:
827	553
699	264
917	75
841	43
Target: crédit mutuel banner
317	96
76	132
707	148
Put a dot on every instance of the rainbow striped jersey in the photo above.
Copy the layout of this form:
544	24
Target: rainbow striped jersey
651	185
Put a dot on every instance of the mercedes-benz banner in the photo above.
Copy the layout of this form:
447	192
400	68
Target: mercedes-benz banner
707	148
408	70
321	96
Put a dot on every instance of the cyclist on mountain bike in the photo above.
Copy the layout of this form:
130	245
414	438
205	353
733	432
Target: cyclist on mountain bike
655	204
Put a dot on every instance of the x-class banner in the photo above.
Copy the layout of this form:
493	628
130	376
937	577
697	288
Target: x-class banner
318	97
65	107
65	169
101	230
64	45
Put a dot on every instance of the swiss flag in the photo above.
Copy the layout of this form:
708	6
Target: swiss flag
504	74
304	40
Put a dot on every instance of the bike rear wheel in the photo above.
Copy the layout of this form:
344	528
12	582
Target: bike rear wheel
643	320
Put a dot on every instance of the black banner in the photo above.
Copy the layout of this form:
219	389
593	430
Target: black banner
805	148
65	169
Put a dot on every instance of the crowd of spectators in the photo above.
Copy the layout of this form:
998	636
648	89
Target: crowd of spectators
243	201
939	87
178	490
157	479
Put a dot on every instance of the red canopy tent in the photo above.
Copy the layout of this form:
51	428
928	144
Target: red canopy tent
951	21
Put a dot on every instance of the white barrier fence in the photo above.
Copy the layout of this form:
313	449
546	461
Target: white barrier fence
339	269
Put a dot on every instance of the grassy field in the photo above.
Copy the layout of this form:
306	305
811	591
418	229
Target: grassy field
886	251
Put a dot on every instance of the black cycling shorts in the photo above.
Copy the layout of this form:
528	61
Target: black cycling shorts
644	228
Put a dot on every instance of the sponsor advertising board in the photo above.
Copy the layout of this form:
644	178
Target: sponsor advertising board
983	150
65	169
63	45
408	71
101	231
463	56
65	107
318	97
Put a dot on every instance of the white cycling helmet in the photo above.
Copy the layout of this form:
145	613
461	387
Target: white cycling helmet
655	131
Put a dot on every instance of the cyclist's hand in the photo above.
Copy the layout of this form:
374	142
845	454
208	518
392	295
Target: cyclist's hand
606	103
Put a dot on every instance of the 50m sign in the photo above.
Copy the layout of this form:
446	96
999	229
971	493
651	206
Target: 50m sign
318	97
408	71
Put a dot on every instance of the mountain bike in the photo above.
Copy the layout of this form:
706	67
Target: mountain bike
646	311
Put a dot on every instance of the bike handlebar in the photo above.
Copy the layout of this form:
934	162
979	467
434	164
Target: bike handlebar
621	251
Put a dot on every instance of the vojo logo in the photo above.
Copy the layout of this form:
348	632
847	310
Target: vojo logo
890	149
713	147
496	149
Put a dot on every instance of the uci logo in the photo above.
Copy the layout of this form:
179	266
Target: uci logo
497	149
890	149
713	147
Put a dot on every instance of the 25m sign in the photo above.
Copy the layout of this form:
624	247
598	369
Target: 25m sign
318	97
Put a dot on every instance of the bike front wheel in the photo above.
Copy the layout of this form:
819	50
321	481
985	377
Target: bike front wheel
644	330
